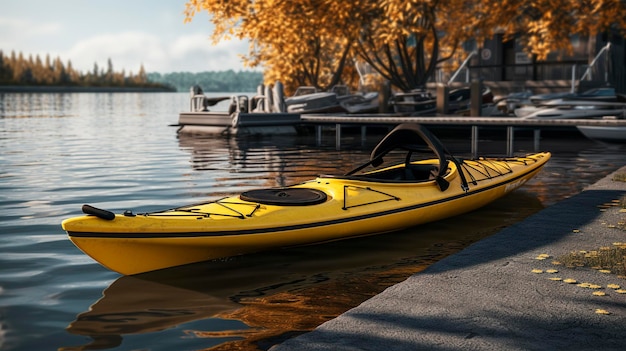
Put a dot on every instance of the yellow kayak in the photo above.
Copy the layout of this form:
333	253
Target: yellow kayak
384	199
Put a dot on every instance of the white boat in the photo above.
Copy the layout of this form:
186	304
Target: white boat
507	104
236	115
339	99
597	94
615	134
572	108
360	103
308	99
594	103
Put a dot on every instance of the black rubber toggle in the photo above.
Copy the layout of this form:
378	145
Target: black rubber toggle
104	214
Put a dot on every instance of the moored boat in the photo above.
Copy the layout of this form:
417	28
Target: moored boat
611	134
360	103
262	114
572	109
594	103
416	103
327	208
308	99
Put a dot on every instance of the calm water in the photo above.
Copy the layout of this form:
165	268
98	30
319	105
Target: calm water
116	151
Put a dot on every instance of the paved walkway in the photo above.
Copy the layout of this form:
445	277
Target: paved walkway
487	296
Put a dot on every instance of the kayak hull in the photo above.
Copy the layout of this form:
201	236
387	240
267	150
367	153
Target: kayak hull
352	206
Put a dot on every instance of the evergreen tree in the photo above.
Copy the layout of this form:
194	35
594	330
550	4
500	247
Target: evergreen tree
95	74
5	71
108	76
74	76
19	66
60	75
141	76
17	70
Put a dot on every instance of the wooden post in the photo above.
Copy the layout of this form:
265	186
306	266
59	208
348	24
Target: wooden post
363	135
474	149
318	134
476	98
537	137
443	94
510	135
338	136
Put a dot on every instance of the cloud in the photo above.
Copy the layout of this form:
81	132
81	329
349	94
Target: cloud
15	31
126	50
195	52
129	50
145	33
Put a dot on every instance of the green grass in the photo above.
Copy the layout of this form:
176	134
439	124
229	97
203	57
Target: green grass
619	177
608	259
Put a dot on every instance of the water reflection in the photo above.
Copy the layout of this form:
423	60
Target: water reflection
36	105
281	162
131	305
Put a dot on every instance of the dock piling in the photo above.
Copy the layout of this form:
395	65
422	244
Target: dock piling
474	148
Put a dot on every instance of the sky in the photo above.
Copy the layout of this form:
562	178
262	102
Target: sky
129	32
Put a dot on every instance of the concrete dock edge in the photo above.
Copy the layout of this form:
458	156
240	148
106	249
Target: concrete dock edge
498	294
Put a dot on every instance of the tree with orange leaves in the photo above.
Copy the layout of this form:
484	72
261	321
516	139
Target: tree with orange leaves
311	42
295	41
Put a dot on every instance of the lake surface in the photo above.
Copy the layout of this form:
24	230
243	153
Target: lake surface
117	151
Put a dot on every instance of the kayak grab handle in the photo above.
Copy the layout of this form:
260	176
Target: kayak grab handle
100	213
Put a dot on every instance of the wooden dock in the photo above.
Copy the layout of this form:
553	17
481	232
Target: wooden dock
474	122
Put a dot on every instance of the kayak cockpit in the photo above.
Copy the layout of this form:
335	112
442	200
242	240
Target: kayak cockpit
414	173
411	138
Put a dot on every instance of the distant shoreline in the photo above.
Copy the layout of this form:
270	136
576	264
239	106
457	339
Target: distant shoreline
78	89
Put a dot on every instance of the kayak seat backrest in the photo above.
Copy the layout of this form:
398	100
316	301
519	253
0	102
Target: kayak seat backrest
421	172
